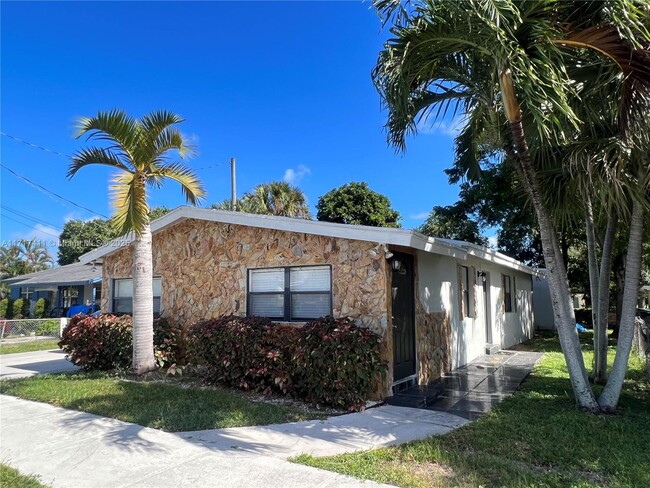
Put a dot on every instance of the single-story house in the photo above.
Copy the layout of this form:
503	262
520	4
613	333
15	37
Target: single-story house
437	303
63	286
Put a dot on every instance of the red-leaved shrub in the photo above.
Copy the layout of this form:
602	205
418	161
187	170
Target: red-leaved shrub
337	363
250	353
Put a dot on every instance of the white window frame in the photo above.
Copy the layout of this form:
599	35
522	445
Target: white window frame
26	292
287	293
114	288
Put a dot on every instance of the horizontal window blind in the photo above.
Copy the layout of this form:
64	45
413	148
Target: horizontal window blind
267	305
267	280
291	293
314	278
309	305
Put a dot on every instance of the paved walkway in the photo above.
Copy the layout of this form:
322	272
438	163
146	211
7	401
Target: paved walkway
74	449
474	389
23	364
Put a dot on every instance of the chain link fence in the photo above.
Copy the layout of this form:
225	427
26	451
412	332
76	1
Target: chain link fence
35	328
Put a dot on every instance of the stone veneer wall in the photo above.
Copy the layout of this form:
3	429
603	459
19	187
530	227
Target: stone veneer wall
433	340
204	265
433	336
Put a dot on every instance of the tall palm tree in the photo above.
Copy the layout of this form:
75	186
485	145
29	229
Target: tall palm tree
503	63
141	150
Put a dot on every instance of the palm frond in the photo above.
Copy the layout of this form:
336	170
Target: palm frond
115	126
189	181
129	200
96	155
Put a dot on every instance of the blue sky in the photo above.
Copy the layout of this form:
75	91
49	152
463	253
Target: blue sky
284	87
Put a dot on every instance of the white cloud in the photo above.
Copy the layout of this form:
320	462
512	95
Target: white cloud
74	215
492	242
450	128
43	234
294	176
419	216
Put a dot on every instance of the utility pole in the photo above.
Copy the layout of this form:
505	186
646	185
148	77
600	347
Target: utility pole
233	185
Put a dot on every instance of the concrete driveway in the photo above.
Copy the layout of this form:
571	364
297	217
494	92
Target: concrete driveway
23	364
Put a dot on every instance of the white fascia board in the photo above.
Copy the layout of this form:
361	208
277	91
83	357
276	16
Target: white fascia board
396	237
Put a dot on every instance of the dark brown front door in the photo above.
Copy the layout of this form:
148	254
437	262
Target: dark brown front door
403	316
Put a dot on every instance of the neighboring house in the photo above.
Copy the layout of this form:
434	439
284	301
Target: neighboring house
64	286
436	303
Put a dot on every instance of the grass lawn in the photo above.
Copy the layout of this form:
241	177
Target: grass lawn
535	438
168	406
28	346
11	478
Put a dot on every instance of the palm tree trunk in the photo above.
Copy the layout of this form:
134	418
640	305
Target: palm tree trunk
557	275
608	399
143	357
600	329
594	278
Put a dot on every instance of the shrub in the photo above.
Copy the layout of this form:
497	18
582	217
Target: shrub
41	307
170	343
106	342
327	362
49	328
99	343
245	352
338	363
20	308
6	308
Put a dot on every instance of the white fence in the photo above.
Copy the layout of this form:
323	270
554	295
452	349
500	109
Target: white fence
32	328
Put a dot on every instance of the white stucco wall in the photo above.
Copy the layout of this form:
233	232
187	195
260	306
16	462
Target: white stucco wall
438	291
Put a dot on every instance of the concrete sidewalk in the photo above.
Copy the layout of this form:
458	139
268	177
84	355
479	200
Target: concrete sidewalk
23	364
74	449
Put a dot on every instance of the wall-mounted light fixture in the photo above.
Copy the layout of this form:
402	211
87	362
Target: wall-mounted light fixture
482	275
94	267
396	264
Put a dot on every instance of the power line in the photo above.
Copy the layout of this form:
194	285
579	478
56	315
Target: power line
29	225
31	144
43	189
68	156
28	217
213	166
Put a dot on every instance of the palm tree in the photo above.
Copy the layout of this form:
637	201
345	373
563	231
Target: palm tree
504	64
11	262
273	198
140	149
34	255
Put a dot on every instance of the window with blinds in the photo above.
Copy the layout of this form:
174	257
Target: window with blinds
123	296
290	293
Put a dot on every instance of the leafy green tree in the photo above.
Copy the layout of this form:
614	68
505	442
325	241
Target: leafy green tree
79	237
141	150
452	222
356	204
505	65
157	212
